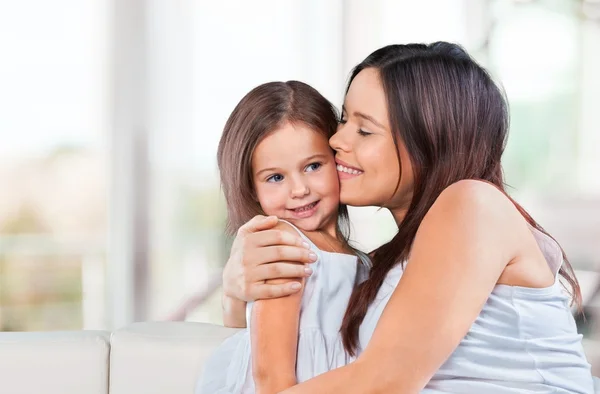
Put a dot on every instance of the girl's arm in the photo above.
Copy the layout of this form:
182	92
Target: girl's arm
274	336
463	245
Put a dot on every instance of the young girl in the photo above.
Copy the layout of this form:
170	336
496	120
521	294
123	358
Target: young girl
274	159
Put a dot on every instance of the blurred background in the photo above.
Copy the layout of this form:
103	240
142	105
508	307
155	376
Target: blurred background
111	111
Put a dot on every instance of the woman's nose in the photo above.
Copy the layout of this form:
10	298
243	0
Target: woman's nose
338	141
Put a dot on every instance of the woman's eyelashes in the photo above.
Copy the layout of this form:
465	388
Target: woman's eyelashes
360	131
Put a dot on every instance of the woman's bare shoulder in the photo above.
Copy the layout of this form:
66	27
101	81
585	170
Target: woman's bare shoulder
476	200
477	209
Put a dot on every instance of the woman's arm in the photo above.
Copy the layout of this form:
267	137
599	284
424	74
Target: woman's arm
261	252
274	336
461	248
234	312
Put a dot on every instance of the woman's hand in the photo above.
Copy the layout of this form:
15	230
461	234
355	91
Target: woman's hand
259	253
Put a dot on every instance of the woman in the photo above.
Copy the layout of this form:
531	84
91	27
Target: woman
466	297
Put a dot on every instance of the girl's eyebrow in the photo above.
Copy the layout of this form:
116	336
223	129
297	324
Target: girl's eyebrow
317	156
265	170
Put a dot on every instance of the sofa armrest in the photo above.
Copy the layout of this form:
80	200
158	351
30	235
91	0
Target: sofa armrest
54	362
161	357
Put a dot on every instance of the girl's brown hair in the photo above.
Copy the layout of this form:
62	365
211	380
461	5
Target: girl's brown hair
263	110
453	120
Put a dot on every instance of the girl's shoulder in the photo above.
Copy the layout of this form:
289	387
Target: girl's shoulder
328	250
284	225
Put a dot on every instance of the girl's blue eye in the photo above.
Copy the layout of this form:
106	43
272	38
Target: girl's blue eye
313	167
275	178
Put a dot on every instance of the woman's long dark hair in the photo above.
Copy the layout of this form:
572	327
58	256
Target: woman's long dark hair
453	120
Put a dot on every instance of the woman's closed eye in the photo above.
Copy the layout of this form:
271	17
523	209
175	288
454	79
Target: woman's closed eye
362	132
275	178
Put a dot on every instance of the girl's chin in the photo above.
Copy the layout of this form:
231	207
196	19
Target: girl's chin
305	224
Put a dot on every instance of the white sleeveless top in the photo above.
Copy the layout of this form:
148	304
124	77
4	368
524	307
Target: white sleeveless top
320	349
523	341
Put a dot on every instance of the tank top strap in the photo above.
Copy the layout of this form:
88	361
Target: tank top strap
363	258
550	249
302	235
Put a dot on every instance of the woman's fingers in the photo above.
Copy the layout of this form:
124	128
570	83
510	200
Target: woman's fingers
281	270
261	253
275	237
266	291
272	254
258	223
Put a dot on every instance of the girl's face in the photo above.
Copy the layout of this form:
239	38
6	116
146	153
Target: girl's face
366	156
295	177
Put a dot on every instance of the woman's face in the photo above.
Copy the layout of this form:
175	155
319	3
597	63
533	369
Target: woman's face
367	159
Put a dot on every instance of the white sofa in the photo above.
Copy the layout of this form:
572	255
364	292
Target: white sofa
149	358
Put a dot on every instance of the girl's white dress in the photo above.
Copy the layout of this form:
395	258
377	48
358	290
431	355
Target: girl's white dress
326	295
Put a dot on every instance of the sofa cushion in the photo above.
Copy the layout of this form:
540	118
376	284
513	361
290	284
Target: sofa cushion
54	362
161	357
